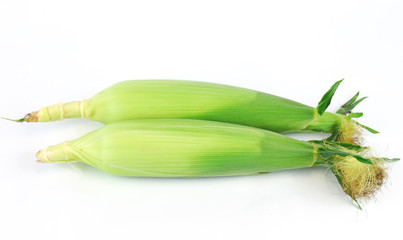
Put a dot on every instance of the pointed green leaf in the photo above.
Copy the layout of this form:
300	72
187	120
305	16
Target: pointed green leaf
354	115
363	160
350	146
334	136
328	151
336	145
350	105
327	98
391	159
338	177
336	173
325	155
368	129
351	101
355	200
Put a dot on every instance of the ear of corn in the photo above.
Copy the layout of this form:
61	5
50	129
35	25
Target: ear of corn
181	148
196	148
170	99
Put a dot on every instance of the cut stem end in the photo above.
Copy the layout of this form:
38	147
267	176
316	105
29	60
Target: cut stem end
41	156
55	154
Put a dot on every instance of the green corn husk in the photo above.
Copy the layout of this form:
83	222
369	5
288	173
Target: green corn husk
197	148
172	99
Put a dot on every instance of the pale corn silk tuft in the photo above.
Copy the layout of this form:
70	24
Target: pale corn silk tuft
360	180
350	132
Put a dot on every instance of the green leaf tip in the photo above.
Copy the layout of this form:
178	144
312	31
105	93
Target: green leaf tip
362	159
350	105
368	128
329	149
356	202
326	153
352	100
391	159
355	115
337	174
335	144
14	120
327	98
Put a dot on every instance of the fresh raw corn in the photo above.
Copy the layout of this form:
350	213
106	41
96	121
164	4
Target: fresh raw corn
173	99
197	148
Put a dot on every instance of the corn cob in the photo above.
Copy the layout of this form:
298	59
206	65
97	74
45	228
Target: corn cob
170	99
197	148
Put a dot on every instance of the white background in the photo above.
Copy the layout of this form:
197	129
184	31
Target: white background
58	51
